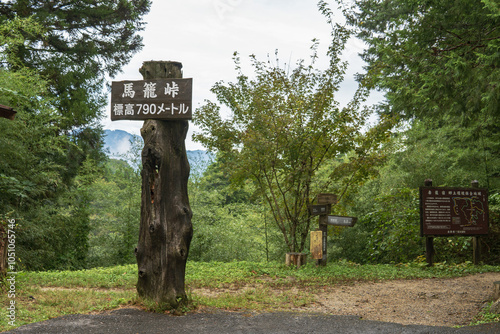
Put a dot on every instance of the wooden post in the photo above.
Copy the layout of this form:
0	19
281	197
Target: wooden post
323	227
476	245
429	250
496	290
165	231
297	259
429	240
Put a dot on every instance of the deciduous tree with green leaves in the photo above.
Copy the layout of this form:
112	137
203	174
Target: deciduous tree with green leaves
283	126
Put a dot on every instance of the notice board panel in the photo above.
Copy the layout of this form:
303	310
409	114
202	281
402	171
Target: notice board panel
164	99
453	211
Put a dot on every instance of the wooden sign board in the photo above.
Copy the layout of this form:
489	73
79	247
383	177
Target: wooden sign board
7	112
164	99
316	245
453	211
327	199
317	210
342	221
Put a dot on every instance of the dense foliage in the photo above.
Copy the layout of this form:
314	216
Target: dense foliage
438	64
114	215
54	57
80	43
284	127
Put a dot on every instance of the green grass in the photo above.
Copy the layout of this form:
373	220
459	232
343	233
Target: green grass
485	316
218	274
241	286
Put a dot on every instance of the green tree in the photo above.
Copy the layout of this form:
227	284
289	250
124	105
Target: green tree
44	170
51	214
115	209
82	42
284	125
230	223
437	61
432	56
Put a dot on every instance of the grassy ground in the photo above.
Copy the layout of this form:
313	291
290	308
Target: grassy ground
43	295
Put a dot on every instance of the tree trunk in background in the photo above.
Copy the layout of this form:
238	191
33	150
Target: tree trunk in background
165	232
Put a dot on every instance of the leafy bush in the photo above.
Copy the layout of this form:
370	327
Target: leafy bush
394	227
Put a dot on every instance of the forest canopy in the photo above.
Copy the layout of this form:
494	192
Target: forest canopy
54	58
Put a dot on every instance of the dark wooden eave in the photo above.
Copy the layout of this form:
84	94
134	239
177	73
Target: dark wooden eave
7	112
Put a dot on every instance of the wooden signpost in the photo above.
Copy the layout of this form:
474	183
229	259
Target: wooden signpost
341	221
327	198
163	100
317	210
319	238
7	112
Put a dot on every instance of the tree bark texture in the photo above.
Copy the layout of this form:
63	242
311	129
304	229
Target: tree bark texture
165	232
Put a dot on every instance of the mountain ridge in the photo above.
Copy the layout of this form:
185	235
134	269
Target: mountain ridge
117	144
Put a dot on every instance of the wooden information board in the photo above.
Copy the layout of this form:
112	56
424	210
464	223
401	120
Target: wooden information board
453	211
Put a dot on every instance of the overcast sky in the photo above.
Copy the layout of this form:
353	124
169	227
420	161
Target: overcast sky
204	34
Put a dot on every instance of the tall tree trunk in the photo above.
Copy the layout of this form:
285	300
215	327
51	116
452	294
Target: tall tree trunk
165	232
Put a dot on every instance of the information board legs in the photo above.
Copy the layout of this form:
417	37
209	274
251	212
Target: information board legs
429	251
476	246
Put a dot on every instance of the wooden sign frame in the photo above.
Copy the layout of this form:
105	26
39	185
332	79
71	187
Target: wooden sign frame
163	99
453	211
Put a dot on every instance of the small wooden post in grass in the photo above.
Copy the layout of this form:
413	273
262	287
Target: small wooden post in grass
496	290
297	259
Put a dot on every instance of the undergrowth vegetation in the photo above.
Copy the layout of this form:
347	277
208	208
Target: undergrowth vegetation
261	286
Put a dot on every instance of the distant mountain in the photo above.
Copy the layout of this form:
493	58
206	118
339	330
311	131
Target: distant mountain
117	143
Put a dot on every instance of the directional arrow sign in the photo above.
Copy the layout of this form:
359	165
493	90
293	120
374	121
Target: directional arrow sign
327	198
317	210
342	221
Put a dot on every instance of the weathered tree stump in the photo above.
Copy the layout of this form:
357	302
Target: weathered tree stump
165	231
496	290
297	259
